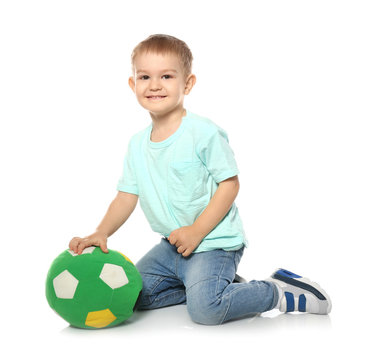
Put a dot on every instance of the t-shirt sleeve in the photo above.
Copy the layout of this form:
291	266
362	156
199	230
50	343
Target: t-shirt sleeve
217	155
128	181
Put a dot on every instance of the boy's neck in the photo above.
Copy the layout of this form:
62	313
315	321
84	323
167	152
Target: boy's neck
163	126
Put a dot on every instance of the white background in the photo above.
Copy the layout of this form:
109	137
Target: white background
286	79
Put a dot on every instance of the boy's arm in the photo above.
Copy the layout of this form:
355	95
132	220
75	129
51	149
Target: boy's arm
118	212
187	238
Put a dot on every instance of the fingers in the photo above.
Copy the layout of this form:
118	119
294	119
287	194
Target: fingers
187	252
184	252
103	247
177	238
78	244
180	249
73	244
172	240
82	245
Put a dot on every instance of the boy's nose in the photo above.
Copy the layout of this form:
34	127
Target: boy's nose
155	85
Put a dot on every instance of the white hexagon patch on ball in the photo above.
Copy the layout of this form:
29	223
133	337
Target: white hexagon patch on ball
114	276
87	250
65	285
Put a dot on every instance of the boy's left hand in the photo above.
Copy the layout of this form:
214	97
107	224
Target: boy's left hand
186	239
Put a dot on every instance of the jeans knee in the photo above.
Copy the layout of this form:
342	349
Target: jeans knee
206	311
206	315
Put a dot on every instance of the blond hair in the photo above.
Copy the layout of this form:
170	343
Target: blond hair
163	44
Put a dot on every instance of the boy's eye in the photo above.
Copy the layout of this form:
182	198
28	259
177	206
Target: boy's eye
146	77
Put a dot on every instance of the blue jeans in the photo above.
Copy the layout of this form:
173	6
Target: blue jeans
204	281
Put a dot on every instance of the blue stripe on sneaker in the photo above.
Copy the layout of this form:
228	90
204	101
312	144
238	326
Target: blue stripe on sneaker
290	305
302	303
287	273
300	284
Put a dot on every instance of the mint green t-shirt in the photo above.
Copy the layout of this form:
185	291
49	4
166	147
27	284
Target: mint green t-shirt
176	178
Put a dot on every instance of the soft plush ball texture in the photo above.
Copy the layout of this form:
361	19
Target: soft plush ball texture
94	289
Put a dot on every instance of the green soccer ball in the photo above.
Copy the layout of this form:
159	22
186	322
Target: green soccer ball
94	289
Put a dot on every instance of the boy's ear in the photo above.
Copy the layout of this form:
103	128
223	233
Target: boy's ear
132	83
191	80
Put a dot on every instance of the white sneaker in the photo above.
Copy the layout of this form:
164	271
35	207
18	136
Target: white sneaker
298	293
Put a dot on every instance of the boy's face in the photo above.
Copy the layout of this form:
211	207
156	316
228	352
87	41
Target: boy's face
159	82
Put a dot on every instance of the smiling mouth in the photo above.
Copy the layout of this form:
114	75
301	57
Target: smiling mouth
155	97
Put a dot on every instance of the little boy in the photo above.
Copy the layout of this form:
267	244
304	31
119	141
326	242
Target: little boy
183	172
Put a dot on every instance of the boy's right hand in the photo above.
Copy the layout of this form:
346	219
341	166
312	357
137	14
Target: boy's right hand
78	244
